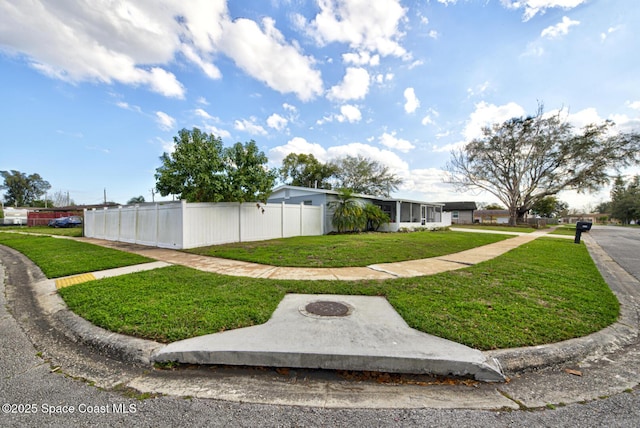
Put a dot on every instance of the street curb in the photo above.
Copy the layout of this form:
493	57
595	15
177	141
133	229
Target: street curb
115	345
623	333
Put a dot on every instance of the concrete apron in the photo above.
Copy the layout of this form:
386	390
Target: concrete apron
335	332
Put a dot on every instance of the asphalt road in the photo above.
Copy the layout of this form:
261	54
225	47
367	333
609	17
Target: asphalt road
41	385
622	244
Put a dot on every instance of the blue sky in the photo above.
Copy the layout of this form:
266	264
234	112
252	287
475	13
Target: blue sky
93	91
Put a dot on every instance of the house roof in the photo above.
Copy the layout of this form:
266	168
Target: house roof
357	195
459	206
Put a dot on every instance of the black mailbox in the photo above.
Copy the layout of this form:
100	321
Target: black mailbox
584	226
581	226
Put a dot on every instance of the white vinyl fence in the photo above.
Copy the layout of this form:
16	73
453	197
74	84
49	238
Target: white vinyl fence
182	225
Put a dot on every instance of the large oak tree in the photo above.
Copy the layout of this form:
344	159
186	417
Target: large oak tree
524	160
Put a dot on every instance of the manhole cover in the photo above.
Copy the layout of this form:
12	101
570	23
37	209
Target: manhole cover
327	309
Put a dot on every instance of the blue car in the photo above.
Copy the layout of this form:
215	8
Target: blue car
72	221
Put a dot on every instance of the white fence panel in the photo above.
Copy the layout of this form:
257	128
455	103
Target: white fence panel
211	224
128	219
291	220
169	226
111	225
182	225
260	222
99	223
147	225
312	220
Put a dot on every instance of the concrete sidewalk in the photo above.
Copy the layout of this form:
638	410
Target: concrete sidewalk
380	271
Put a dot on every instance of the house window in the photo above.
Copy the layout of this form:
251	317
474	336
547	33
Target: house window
455	215
307	202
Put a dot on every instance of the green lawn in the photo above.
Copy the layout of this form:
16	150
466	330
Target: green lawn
66	231
350	250
545	291
59	257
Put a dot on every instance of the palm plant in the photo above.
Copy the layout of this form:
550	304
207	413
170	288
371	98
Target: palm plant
375	217
348	214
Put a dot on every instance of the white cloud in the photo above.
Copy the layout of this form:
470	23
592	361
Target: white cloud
392	142
433	34
203	101
362	24
484	115
381	78
297	145
478	89
361	58
277	122
134	42
633	104
203	114
487	114
411	101
533	7
249	126
350	113
428	119
560	29
263	54
289	107
165	122
211	129
610	30
354	86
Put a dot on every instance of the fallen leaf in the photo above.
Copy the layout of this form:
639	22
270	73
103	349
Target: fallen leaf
573	372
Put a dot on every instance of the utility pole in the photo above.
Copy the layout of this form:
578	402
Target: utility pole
105	196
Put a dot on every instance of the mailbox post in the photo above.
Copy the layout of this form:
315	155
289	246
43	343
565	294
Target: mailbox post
581	226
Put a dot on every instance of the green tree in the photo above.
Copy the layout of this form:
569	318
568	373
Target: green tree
526	159
348	214
549	206
304	170
603	207
365	176
23	190
200	169
625	200
493	207
136	200
248	178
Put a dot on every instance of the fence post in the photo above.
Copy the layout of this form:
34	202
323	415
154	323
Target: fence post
239	221
282	213
157	224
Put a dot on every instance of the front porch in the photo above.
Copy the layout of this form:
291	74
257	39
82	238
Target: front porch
412	215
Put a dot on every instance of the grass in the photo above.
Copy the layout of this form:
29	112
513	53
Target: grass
59	257
542	292
75	232
350	250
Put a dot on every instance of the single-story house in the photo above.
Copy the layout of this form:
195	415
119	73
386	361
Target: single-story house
491	216
404	213
461	212
574	218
